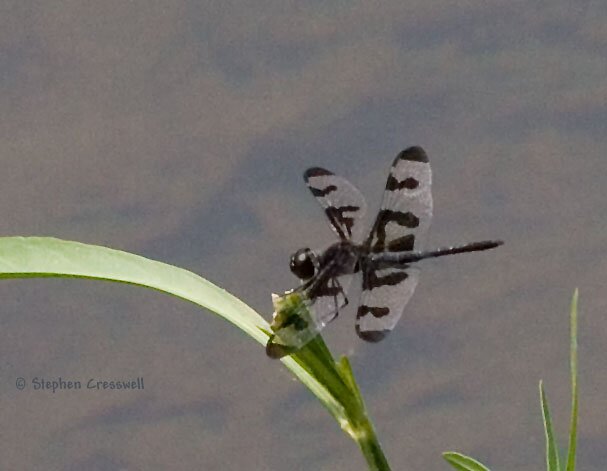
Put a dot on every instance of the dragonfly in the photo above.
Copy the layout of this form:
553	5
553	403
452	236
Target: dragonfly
386	258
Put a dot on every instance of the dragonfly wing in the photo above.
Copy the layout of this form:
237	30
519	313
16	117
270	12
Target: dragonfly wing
401	226
406	209
385	294
343	204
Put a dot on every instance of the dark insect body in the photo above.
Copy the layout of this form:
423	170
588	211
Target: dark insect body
386	258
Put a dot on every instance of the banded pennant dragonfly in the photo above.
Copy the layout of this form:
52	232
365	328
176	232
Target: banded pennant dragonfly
386	258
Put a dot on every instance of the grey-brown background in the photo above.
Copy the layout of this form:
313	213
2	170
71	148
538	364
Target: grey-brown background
179	130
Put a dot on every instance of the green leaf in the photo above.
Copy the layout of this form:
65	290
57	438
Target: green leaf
552	451
314	366
463	462
345	371
574	389
37	257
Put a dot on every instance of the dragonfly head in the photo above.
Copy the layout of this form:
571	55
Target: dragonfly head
304	264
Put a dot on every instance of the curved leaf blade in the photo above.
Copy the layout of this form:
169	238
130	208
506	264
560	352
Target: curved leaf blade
574	388
41	257
463	462
552	450
314	366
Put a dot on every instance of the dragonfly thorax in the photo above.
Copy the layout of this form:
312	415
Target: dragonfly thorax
340	258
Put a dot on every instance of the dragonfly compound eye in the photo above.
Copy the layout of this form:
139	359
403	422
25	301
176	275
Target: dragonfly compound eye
302	264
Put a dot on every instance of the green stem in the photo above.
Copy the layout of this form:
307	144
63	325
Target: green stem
370	447
338	379
361	431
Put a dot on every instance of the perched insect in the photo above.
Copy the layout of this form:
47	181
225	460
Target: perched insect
386	258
